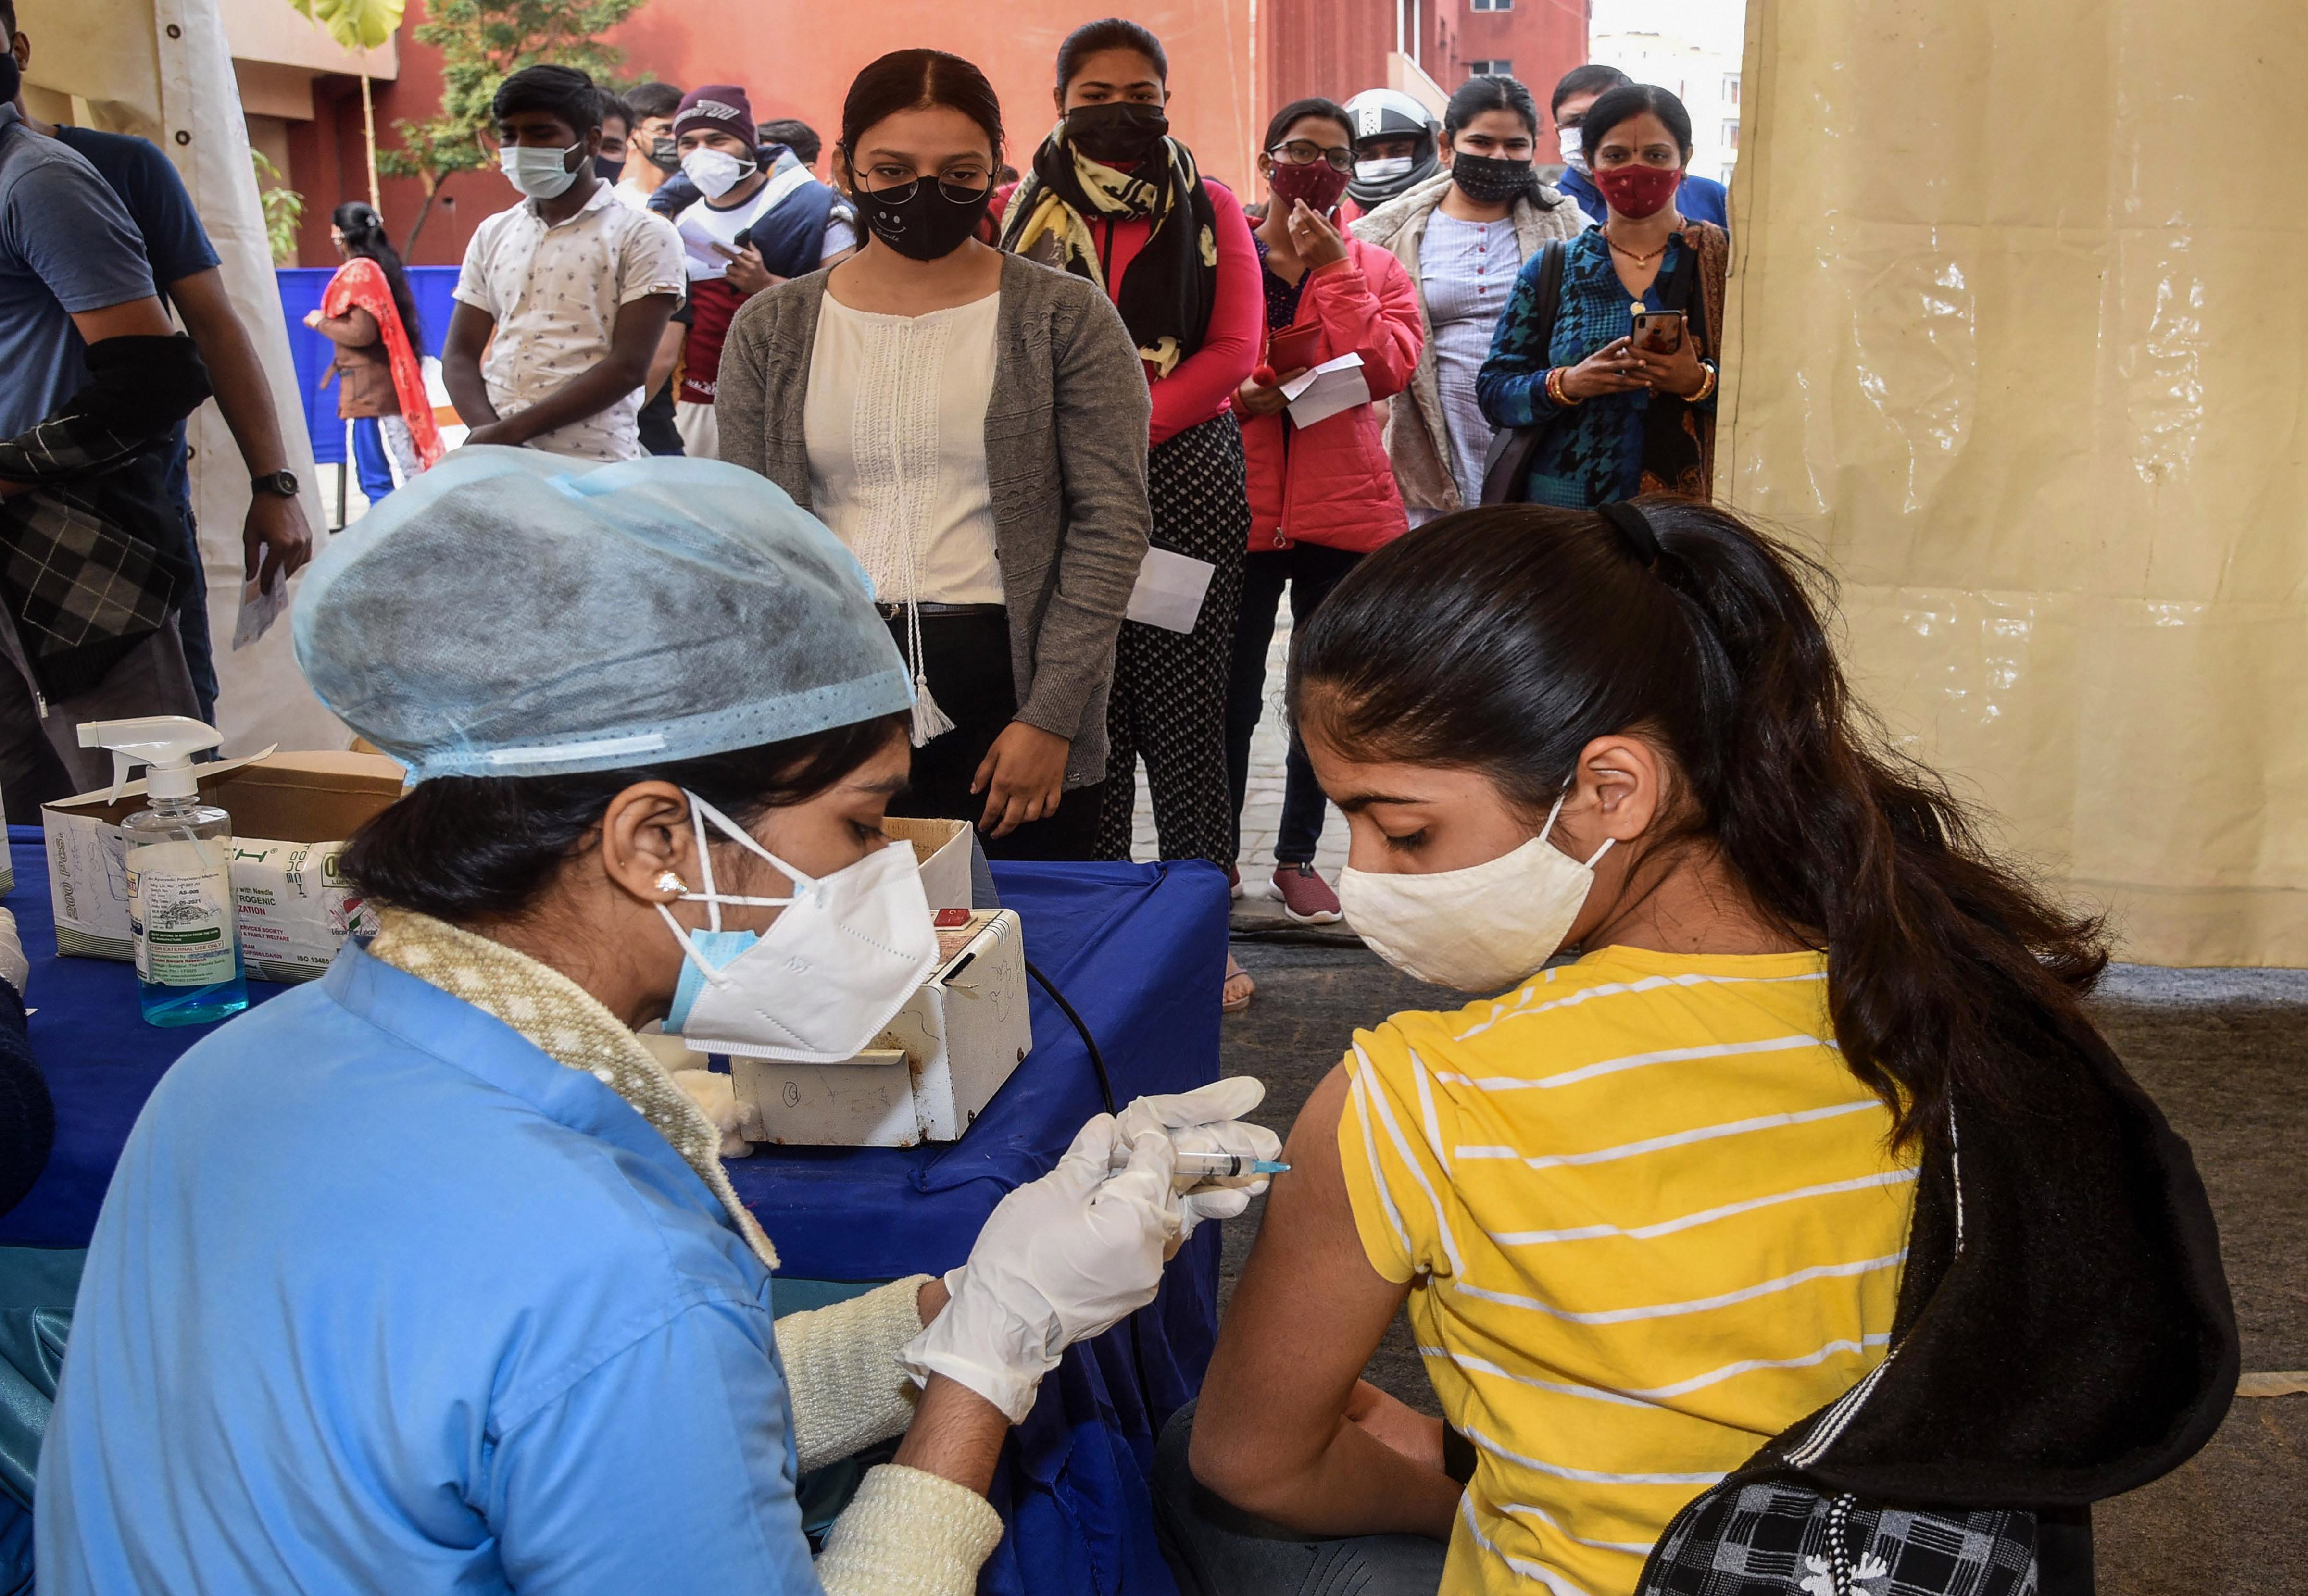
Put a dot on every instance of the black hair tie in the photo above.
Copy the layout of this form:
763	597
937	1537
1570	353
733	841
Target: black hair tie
1635	527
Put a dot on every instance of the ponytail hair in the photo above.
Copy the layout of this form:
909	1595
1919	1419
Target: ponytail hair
363	233
1504	639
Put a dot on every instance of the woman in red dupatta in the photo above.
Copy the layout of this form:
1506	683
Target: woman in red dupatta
369	314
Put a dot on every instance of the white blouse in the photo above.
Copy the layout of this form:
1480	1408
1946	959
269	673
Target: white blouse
895	426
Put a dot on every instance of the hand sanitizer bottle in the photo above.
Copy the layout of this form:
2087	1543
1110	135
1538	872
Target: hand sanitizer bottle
180	902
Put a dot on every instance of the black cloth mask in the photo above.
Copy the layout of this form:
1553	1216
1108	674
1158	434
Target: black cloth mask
606	170
1487	180
926	225
11	76
1119	131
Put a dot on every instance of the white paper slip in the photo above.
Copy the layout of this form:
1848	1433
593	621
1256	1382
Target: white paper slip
259	610
1322	391
1170	590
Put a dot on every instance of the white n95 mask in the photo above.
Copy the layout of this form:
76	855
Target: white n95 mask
828	974
540	174
1478	929
1383	168
714	171
1572	142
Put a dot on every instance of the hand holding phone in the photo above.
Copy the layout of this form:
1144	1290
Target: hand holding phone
1657	332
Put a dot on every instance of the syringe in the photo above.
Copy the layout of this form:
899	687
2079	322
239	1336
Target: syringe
1197	1167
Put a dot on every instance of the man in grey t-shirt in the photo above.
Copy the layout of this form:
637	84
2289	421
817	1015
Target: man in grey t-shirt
72	273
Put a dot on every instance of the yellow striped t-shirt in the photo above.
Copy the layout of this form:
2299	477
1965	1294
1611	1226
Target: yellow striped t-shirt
1649	1221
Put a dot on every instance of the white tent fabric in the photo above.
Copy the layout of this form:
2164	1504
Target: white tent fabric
162	69
2020	345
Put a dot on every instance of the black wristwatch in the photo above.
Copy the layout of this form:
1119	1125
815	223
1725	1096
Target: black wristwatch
282	483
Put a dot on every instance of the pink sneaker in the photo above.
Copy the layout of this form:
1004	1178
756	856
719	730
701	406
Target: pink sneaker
1306	897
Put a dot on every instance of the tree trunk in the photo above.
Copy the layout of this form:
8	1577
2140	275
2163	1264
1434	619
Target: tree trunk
432	181
368	130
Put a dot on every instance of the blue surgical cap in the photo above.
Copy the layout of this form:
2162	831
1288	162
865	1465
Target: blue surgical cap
511	613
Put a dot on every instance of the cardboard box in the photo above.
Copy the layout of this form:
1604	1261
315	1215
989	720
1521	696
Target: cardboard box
290	815
940	1063
941	849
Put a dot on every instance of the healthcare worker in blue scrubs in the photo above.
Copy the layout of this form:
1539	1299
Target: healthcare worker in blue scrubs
426	1277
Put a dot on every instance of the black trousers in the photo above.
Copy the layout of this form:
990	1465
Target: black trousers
1310	571
1169	687
966	659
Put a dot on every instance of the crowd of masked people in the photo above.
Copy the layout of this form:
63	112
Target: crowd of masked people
660	288
1749	1326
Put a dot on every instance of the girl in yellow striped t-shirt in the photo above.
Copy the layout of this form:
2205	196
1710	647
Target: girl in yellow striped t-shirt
1650	1208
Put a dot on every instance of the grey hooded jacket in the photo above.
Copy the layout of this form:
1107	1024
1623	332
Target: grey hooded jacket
1416	430
1065	466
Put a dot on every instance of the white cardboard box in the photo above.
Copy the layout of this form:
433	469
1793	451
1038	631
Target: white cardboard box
290	813
941	849
939	1063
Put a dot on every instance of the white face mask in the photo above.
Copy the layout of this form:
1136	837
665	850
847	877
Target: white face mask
540	174
1383	169
1478	929
1573	143
714	171
828	974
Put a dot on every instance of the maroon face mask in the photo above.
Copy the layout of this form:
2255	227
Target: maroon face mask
1636	191
1318	182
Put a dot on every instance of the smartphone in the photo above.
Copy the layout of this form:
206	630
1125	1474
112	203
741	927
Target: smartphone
1657	332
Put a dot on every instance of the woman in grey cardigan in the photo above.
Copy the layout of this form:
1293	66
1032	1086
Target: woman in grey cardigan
973	426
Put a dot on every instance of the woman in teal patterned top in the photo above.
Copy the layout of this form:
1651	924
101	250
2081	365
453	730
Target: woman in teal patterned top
1616	421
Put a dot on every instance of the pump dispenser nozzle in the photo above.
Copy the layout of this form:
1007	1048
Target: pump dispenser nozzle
165	743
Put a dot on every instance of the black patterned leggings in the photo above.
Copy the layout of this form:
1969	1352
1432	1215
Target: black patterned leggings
1171	687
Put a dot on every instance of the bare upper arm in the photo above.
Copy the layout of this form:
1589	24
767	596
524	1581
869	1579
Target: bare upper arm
1307	1315
135	318
470	327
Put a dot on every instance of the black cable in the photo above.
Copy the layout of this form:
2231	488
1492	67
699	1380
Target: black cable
1106	1093
1097	1058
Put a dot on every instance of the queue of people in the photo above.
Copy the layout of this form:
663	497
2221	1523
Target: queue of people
1680	1225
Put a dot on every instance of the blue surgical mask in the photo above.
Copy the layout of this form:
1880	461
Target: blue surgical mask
716	947
540	174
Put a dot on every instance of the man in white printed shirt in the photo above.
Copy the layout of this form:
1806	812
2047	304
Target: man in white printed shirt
574	287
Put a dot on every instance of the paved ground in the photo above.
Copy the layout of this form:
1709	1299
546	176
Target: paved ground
2225	1053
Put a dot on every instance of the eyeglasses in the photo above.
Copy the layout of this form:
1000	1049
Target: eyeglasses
958	189
1298	152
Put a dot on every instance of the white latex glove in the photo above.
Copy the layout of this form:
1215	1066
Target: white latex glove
1208	1120
16	969
1061	1259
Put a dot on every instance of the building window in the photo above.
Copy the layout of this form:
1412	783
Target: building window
1731	89
1730	135
1498	67
1490	4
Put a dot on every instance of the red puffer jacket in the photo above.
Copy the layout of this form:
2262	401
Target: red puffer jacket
1332	482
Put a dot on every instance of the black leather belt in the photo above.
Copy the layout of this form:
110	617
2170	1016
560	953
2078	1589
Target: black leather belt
932	612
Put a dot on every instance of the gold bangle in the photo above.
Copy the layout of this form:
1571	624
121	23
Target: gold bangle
1707	383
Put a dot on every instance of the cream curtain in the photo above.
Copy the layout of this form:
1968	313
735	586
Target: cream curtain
2017	339
161	69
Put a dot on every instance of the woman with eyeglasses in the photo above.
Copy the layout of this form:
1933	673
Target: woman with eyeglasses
1112	198
1462	237
972	427
1322	495
1608	362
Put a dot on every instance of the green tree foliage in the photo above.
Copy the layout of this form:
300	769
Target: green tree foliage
482	42
284	208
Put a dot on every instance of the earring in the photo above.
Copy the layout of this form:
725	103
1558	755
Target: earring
667	881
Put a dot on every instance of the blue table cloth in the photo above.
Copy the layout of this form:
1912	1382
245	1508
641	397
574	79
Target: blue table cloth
1138	950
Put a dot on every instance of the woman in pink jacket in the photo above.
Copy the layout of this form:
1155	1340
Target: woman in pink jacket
1322	496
